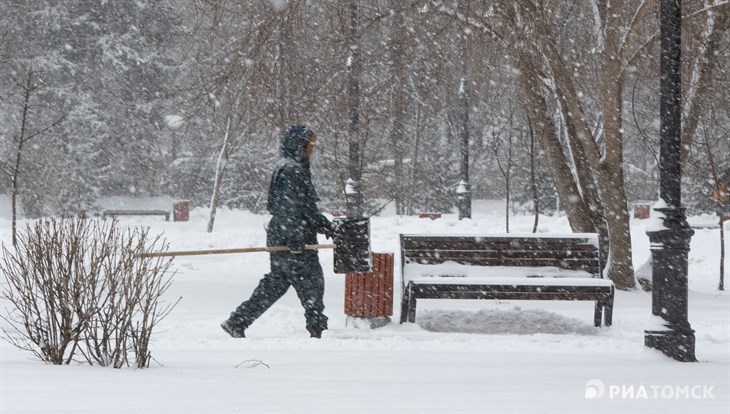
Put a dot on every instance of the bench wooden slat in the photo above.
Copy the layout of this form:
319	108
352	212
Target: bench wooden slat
445	256
548	254
504	247
501	243
591	267
509	238
501	292
566	289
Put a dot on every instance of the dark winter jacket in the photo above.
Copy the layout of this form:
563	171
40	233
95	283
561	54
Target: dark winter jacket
292	199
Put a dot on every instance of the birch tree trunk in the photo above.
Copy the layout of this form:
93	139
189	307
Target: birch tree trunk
219	173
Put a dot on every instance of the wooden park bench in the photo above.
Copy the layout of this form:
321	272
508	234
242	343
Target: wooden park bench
114	213
524	267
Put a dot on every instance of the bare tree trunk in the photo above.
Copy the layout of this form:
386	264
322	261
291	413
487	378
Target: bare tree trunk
25	135
719	206
721	285
718	22
508	198
506	170
414	162
533	178
584	152
583	147
353	191
572	202
397	50
27	89
463	192
619	263
593	168
219	173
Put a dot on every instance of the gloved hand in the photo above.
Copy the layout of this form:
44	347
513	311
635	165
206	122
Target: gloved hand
326	227
329	230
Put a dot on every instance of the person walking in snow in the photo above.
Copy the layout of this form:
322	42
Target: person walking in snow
295	221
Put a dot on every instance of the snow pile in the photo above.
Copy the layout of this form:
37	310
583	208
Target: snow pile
515	321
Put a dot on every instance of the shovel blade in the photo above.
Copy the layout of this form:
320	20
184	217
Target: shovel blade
352	239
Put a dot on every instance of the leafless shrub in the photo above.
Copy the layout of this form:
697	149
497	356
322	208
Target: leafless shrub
78	290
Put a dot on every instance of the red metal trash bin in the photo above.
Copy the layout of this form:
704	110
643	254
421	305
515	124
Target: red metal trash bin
642	211
181	210
369	295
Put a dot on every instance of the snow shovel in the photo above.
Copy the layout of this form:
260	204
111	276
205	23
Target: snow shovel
352	247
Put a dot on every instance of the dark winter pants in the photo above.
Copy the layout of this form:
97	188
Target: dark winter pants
304	273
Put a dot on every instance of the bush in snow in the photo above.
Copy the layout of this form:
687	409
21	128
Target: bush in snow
77	292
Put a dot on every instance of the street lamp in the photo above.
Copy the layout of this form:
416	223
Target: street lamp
672	334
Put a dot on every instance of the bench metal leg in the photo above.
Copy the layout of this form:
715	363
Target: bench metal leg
408	305
411	306
404	306
598	314
609	311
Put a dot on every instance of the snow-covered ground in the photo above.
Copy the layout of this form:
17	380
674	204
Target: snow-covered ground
462	357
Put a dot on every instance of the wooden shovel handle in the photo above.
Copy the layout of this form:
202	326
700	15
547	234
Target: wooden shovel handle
239	250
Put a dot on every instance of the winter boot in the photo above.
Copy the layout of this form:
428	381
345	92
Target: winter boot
314	333
233	328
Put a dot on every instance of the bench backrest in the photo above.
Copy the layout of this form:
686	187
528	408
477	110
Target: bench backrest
571	252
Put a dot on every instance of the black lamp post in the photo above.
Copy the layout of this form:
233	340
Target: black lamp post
670	243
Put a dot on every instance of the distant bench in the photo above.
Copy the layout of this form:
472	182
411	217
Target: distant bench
504	267
114	213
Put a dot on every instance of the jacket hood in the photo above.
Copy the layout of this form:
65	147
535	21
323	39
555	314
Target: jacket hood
294	143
